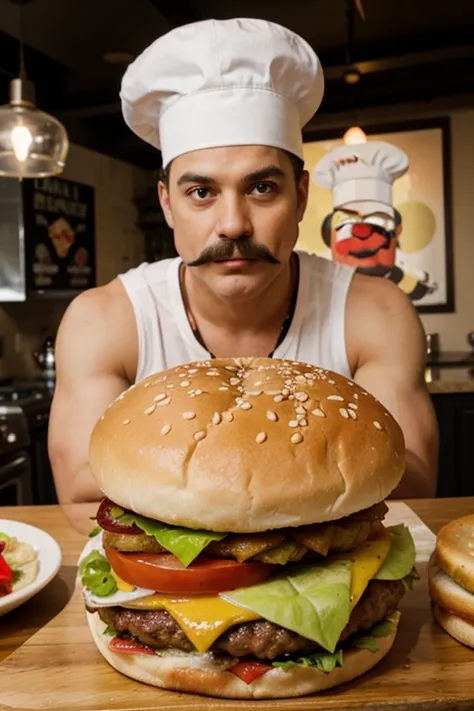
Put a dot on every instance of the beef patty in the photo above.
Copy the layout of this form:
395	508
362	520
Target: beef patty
265	640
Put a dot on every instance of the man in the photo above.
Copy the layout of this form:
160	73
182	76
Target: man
225	102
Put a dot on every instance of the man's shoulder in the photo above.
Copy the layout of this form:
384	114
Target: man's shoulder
101	304
378	295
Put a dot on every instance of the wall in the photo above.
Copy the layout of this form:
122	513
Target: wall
119	246
452	328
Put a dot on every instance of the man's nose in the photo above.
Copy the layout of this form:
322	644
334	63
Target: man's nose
233	219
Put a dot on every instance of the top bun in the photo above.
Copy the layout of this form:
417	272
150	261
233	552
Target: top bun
455	550
246	445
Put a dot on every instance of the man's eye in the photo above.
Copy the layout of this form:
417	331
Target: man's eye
263	188
200	193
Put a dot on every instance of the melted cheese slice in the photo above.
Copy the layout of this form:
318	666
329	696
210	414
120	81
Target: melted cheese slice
366	561
202	619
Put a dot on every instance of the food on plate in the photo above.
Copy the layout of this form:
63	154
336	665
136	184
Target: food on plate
18	564
240	548
451	579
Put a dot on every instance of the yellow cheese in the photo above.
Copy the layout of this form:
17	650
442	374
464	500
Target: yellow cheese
121	584
366	561
202	619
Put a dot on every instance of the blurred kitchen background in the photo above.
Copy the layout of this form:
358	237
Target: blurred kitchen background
385	61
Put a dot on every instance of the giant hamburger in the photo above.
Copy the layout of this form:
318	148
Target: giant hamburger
241	550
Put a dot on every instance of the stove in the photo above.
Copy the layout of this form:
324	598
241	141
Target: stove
24	417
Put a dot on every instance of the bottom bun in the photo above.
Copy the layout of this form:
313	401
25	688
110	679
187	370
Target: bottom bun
458	628
187	674
448	594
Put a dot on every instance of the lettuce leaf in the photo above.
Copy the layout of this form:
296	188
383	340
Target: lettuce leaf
324	661
401	558
184	543
313	601
412	577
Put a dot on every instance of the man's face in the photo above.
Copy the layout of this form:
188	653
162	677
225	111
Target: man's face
363	235
235	214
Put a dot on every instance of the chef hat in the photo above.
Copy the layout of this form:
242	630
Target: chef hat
223	83
362	171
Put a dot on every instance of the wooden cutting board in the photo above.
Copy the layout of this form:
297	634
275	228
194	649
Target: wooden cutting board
59	668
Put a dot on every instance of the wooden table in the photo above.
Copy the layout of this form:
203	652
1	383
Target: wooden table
59	669
70	525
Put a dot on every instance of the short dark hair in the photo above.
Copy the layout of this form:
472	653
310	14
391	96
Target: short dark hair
297	163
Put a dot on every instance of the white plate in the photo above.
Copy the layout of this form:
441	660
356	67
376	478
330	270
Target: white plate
49	558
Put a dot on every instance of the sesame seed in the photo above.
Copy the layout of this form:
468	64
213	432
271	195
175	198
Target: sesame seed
198	392
166	401
278	398
302	397
230	368
378	426
273	392
331	382
212	372
350	383
198	436
300	410
149	410
355	396
165	429
303	422
147	385
185	384
318	412
234	381
285	392
160	397
216	418
293	423
296	438
228	416
245	405
344	412
169	386
300	379
125	422
336	397
189	415
353	406
182	375
353	414
259	382
191	371
261	437
272	416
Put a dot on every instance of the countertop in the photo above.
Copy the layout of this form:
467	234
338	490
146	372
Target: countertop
450	380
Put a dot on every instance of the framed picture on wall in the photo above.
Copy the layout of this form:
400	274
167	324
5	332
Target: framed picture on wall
409	240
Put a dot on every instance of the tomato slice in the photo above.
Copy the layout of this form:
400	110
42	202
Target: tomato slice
128	646
249	671
164	573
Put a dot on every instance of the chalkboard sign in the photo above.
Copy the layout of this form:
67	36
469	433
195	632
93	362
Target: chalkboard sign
59	233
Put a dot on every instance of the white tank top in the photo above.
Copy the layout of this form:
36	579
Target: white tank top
165	338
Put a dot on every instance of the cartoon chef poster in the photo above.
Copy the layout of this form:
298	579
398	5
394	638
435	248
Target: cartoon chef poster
363	229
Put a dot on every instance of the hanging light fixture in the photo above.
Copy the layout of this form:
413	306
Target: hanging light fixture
354	134
33	144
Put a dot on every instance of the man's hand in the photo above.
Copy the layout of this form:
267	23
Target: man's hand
386	343
92	345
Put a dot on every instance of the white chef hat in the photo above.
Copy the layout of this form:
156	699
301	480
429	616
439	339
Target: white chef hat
223	83
361	171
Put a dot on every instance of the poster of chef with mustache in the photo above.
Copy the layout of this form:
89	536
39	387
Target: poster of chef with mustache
364	227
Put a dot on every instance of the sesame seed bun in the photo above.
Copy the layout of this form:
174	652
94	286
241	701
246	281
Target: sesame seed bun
246	445
193	673
457	627
455	551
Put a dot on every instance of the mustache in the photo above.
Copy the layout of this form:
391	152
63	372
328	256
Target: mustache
244	247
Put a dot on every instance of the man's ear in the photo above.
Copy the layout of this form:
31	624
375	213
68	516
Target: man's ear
164	198
302	191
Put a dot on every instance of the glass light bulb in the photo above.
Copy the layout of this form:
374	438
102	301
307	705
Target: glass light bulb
353	135
21	139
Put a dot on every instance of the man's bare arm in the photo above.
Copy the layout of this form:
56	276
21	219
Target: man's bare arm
89	375
391	351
